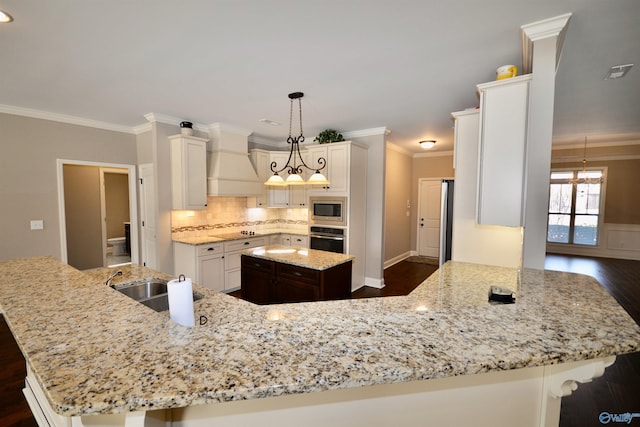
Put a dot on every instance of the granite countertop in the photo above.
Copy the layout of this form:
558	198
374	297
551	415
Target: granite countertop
227	237
94	350
309	258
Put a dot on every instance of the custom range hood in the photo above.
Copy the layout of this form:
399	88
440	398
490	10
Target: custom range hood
230	172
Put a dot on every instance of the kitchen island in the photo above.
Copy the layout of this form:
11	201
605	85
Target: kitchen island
280	274
441	355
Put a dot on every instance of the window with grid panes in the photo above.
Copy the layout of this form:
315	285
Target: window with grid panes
574	206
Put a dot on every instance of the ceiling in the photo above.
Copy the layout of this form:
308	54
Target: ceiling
362	64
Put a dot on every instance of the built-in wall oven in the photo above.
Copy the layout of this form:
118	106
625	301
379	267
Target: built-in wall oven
327	239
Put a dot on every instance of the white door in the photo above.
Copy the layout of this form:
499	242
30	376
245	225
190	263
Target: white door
147	215
429	217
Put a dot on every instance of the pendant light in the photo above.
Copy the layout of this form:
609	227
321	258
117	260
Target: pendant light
585	177
295	163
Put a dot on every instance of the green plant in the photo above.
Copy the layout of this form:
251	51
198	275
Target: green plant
327	136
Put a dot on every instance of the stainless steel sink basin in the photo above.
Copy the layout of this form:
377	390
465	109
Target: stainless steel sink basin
146	289
151	292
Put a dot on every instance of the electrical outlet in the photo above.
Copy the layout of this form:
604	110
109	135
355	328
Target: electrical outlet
37	224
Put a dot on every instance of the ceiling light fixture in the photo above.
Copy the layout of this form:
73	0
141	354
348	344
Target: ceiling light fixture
618	71
427	144
269	122
294	162
5	17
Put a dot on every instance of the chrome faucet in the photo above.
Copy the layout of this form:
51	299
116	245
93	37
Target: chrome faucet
117	273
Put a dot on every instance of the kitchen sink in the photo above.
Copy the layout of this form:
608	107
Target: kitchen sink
151	292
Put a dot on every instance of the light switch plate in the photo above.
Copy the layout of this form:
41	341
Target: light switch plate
37	224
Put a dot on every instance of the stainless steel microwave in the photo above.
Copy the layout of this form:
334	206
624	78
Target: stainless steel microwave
327	210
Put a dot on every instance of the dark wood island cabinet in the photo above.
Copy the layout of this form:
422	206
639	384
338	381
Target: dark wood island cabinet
268	279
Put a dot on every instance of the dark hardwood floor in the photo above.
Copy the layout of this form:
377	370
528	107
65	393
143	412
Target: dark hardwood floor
616	392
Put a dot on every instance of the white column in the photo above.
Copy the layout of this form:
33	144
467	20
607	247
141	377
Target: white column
542	49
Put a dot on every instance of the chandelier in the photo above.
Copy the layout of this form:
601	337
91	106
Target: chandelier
295	163
586	177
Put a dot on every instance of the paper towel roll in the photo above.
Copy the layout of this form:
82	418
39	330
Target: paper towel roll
181	302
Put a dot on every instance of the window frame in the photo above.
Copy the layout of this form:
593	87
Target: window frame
601	207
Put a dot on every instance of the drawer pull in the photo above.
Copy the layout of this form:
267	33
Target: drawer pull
211	249
297	273
246	243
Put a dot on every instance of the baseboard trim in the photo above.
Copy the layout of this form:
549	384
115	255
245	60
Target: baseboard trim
397	259
374	283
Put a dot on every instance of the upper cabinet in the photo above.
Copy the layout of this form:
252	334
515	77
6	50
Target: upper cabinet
260	161
188	172
338	171
337	156
504	117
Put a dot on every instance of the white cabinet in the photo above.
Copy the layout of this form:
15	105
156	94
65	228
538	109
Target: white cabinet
203	263
278	196
337	156
294	240
188	172
299	241
232	256
260	162
291	196
504	114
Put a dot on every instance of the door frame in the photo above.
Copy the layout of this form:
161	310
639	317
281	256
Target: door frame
103	208
420	180
133	206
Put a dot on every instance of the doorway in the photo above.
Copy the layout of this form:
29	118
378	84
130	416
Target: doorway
83	193
429	217
115	214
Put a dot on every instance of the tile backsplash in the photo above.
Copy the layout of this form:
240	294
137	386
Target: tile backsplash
230	214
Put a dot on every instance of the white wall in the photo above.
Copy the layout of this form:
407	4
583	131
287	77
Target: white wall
29	148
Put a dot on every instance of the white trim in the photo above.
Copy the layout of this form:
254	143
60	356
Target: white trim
552	27
63	118
366	132
133	204
392	146
171	120
374	283
223	127
393	261
434	154
604	248
578	158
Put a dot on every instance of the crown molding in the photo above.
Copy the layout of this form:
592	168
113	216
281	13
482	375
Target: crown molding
366	132
434	154
552	27
606	140
394	147
601	158
223	127
63	118
172	120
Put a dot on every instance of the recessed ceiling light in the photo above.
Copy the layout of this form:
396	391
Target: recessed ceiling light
269	122
618	71
5	17
427	144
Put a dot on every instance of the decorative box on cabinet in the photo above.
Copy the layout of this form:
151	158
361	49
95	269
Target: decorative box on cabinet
203	263
504	116
188	172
